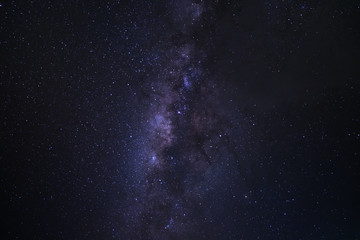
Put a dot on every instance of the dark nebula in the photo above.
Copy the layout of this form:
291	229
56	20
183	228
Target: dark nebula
180	119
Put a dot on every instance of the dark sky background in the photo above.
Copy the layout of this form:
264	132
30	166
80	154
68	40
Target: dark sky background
180	119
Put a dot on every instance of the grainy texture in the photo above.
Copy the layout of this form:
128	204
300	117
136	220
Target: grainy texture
180	119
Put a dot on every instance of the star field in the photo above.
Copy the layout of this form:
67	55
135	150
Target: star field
182	119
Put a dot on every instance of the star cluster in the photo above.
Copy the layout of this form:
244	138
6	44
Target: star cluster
182	119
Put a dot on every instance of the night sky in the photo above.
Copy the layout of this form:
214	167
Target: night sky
180	119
